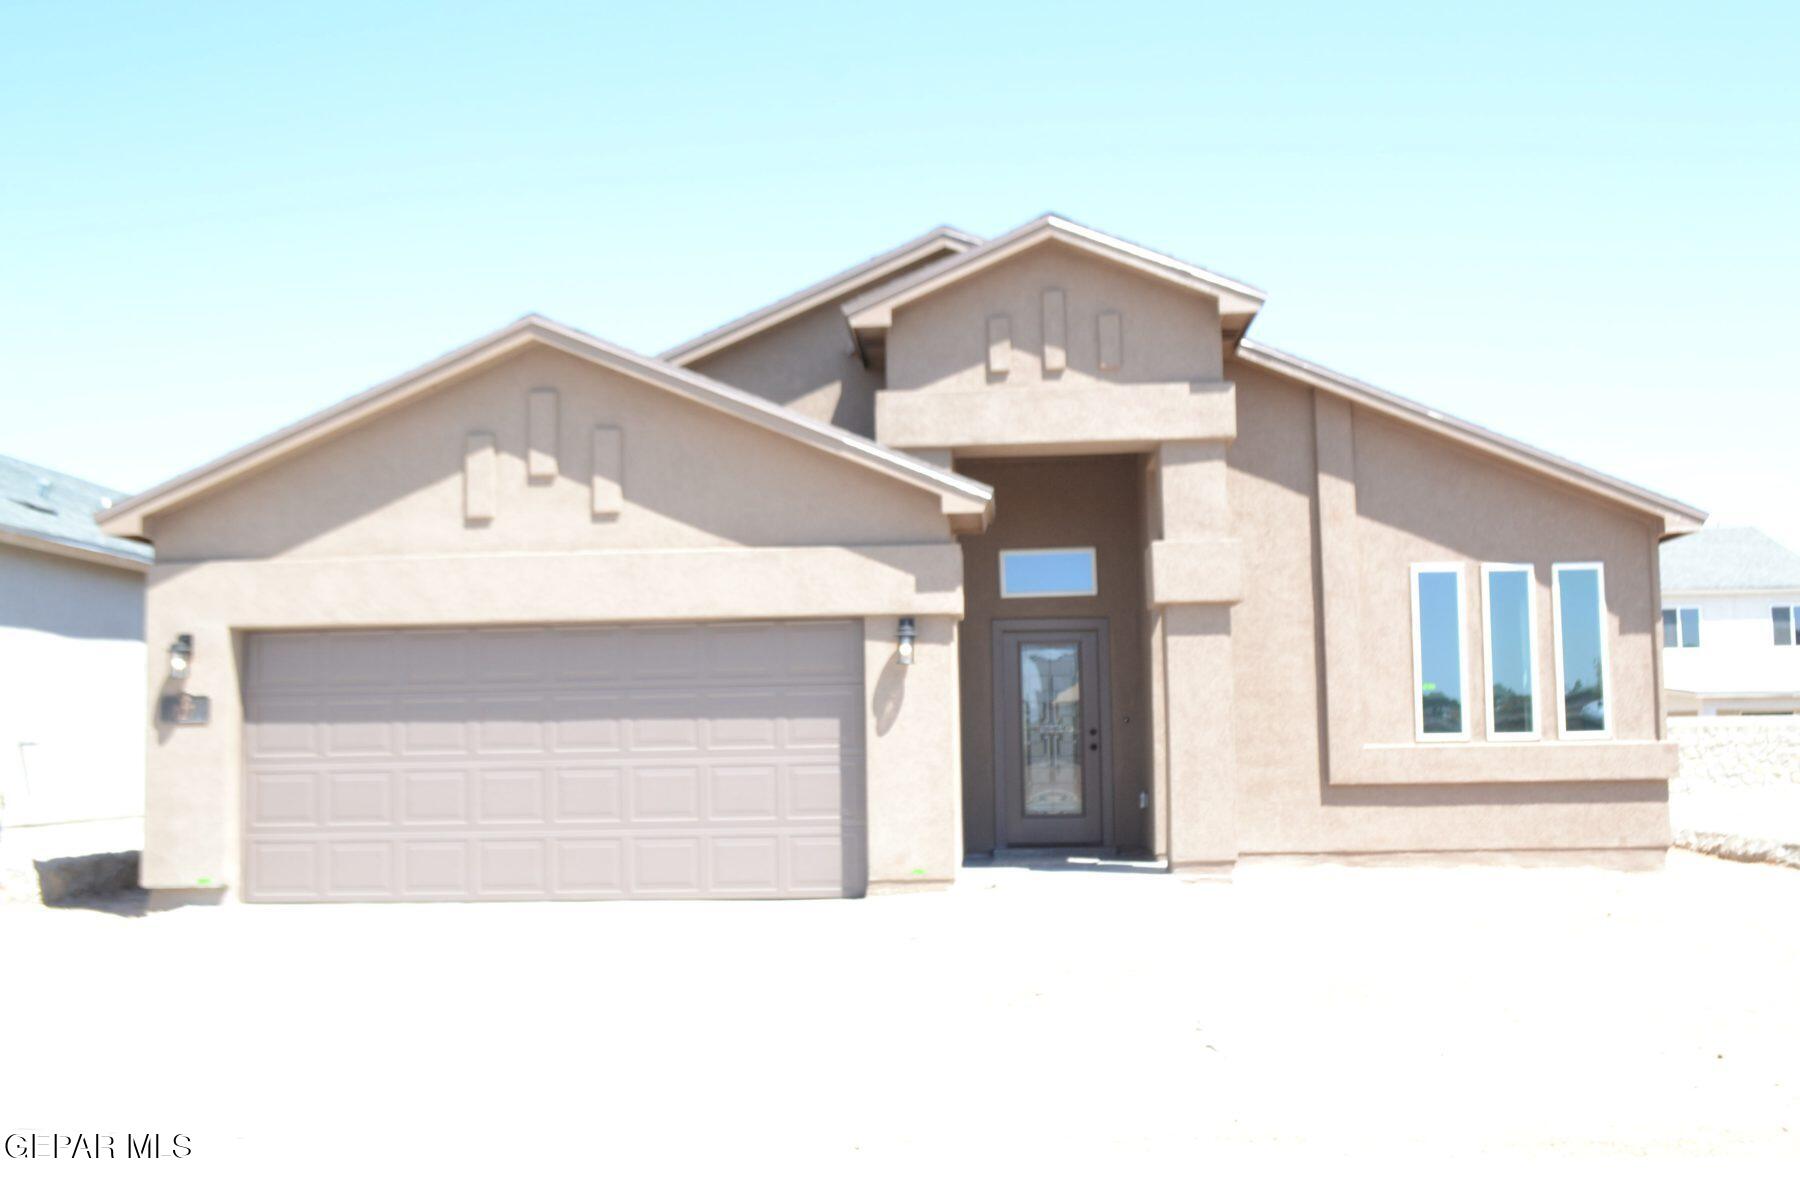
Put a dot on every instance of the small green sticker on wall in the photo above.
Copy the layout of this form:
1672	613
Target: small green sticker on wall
203	881
918	870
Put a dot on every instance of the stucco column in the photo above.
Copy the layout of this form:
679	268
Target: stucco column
1194	574
914	747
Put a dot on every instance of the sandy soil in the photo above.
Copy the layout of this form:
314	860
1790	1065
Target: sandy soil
1050	1032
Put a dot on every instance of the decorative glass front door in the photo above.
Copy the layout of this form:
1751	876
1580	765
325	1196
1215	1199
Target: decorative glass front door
1050	712
1050	718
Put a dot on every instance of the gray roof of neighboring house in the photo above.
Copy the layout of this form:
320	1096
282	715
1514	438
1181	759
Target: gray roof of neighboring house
39	506
1728	559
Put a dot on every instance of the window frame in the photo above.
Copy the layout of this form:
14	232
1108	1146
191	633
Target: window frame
1488	569
1680	642
1793	611
1462	652
1563	731
1038	551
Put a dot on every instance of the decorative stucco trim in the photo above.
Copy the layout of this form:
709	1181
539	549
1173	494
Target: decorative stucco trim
1676	516
875	310
1057	417
942	240
959	496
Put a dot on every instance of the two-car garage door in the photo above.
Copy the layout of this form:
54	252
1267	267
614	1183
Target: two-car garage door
580	763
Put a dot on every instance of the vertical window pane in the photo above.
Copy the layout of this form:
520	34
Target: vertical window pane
1440	652
1690	627
1671	635
1509	651
1784	626
1582	630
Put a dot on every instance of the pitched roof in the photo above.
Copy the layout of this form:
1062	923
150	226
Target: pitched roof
875	309
1729	559
940	241
959	496
1677	516
47	510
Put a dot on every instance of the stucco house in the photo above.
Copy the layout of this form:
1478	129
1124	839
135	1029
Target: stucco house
1731	645
978	545
72	641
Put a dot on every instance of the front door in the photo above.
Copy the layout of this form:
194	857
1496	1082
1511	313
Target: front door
1051	725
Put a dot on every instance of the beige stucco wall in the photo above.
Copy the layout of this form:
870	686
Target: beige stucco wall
808	362
720	520
394	487
1417	498
1041	504
941	340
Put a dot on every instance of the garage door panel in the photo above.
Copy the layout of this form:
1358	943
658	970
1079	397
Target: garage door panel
510	797
358	659
593	794
658	761
362	727
278	800
284	871
433	725
591	655
745	866
359	798
588	721
434	798
512	867
666	866
664	794
359	870
745	792
509	724
436	869
666	653
590	867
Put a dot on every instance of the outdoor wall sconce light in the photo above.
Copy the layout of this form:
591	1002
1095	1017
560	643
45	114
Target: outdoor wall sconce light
908	631
181	656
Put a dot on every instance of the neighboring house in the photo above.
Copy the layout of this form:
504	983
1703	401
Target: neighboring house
977	545
1730	600
72	645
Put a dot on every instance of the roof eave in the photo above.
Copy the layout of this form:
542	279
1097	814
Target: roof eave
844	283
875	310
126	519
1678	518
98	555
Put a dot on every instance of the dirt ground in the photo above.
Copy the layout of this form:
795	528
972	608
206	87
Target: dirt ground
1062	1032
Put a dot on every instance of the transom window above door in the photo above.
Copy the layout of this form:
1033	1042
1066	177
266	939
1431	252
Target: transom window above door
1063	572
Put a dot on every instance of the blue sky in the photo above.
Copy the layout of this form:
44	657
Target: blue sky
1575	224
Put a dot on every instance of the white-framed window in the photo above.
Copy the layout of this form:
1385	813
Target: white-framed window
1440	674
1681	628
1786	618
1583	700
1068	571
1509	650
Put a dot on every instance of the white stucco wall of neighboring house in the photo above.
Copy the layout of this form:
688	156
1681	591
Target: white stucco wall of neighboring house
1737	667
71	711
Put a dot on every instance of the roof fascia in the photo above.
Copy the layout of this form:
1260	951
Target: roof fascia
1677	517
844	283
875	310
73	550
959	495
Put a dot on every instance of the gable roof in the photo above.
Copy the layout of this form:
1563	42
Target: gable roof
958	495
875	309
46	510
1729	559
1676	516
940	241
